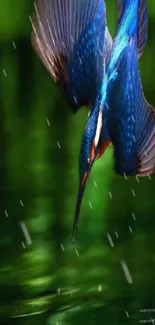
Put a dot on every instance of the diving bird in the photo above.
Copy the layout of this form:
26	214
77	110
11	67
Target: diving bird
132	22
142	35
131	120
72	39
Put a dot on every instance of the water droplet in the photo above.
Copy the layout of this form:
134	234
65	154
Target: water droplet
126	272
77	253
133	138
72	39
116	234
127	314
125	176
100	52
21	202
130	229
23	244
26	233
62	247
14	45
58	145
110	240
133	192
5	74
75	99
48	122
30	19
110	195
95	184
6	213
133	215
80	60
90	204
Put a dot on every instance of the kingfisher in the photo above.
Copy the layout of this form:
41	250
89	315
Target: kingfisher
72	39
117	91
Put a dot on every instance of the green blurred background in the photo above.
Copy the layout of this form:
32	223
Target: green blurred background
109	275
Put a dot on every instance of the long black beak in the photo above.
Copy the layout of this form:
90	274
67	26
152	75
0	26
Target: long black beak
78	206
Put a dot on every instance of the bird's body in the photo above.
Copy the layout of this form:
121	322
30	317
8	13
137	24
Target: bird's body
73	41
141	30
132	123
131	120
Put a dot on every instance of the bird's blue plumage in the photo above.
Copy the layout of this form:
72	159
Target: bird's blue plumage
126	29
131	120
142	31
132	21
72	39
85	64
121	116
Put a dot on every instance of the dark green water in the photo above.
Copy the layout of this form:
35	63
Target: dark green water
108	277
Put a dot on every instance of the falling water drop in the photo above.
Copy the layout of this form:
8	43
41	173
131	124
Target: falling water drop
126	272
58	145
62	246
5	74
48	122
26	233
90	204
6	213
110	240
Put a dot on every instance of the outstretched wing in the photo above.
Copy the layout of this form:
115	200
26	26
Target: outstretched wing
142	32
144	126
127	29
131	119
69	36
132	24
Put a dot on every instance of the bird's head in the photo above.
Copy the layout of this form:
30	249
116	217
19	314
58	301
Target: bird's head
88	154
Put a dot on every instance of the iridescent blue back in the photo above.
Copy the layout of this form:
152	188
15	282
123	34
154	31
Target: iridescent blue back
71	39
122	113
131	120
142	20
85	65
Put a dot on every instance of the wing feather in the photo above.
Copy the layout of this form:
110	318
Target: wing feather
67	36
142	32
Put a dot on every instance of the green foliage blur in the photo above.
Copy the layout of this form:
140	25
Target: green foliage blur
39	150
